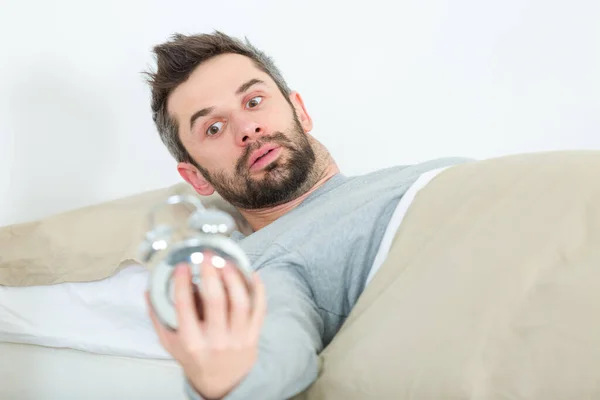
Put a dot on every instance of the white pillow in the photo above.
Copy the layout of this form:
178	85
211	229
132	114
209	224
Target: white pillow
106	317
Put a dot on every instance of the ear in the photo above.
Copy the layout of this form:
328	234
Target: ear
192	176
303	116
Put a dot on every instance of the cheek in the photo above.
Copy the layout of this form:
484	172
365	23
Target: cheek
222	158
277	118
215	155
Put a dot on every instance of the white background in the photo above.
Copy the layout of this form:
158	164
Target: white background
386	82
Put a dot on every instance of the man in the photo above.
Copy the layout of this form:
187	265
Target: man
227	116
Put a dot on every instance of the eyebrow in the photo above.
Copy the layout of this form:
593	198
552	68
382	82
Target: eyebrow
202	113
247	85
205	111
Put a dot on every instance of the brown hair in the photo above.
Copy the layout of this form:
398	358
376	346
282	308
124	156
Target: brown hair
177	58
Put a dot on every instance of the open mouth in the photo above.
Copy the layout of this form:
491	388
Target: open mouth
264	157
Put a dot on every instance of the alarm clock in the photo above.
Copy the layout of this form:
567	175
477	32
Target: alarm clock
203	238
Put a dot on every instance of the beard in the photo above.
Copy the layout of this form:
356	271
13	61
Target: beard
283	180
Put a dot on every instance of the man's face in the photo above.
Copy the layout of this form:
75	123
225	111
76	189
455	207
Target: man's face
248	141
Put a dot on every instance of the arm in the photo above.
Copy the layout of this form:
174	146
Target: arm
289	343
239	350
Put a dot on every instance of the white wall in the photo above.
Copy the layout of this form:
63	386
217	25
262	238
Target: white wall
387	82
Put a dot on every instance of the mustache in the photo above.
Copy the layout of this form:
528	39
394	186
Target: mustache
278	138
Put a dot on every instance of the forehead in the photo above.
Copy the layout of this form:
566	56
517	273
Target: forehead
215	80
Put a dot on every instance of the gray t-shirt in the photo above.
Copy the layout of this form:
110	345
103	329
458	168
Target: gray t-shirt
314	262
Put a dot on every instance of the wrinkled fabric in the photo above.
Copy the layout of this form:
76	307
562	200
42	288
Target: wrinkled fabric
491	290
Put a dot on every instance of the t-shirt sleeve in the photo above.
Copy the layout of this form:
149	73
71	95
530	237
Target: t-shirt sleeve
291	339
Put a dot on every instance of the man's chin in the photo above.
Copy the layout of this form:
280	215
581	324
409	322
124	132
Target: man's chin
269	173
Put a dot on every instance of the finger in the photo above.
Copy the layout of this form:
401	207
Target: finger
239	300
214	302
259	306
165	335
185	306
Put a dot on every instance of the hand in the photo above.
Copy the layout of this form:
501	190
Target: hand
219	350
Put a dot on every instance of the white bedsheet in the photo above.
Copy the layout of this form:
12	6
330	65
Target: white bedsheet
34	373
105	317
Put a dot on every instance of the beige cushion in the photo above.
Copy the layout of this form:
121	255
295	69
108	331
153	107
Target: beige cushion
89	243
491	290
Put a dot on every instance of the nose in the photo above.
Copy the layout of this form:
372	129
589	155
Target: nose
248	131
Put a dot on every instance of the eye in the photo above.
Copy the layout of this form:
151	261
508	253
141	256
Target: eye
253	102
214	129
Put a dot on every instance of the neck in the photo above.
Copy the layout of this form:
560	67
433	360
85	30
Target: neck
258	219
